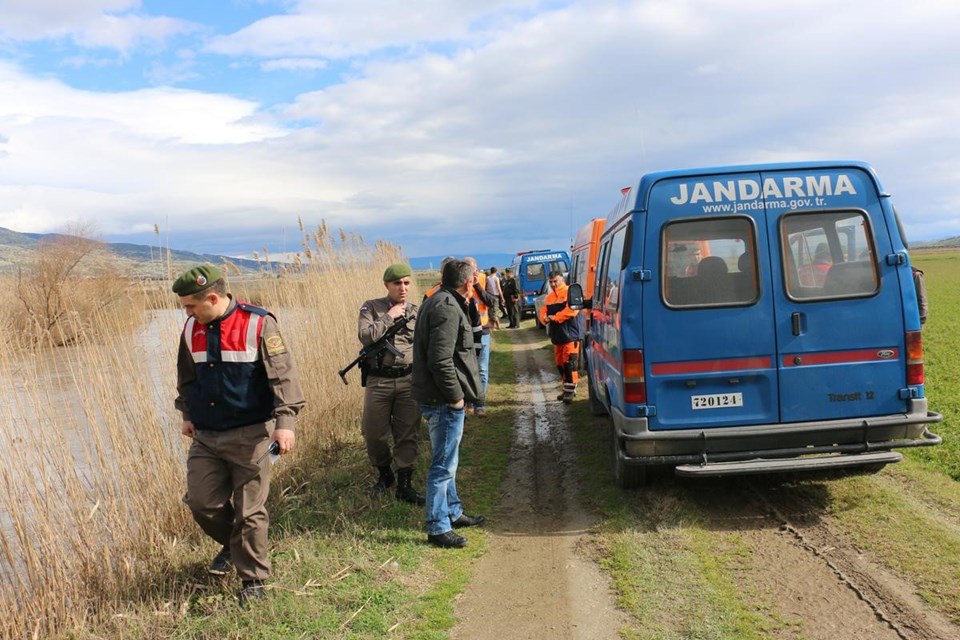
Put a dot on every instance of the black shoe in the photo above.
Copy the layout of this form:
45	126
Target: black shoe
384	482
222	564
252	590
405	492
468	521
448	540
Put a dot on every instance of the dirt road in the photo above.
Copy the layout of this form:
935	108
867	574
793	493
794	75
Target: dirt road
536	580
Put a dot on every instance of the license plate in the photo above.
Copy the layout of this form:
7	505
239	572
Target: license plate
717	401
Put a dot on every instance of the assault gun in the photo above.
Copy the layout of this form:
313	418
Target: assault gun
382	344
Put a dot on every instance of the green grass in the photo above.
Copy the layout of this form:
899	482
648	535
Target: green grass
344	565
676	574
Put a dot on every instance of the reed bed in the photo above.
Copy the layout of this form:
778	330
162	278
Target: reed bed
92	472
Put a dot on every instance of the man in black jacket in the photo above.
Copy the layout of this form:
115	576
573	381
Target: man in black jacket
445	376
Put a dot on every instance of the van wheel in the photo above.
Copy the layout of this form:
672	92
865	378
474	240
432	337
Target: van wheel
627	476
597	408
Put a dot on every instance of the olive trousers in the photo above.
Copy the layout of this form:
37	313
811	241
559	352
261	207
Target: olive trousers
227	493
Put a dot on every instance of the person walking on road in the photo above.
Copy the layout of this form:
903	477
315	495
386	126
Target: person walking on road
389	411
492	287
238	392
565	333
511	297
445	377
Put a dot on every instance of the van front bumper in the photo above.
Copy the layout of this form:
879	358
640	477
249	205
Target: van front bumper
639	445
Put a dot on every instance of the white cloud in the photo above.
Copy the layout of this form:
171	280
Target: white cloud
333	29
108	24
519	125
294	64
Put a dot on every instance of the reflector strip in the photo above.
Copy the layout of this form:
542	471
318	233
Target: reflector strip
708	366
842	357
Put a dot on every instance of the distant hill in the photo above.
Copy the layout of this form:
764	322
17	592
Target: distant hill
484	261
947	243
144	260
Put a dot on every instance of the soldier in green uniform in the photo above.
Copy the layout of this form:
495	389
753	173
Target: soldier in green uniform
389	411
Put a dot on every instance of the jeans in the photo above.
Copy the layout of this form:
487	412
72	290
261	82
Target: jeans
483	362
443	503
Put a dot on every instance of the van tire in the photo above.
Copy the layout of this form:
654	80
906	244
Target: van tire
627	476
597	407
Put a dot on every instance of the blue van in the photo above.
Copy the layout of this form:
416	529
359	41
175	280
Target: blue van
531	269
753	319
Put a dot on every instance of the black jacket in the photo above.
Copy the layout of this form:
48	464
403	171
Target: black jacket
444	361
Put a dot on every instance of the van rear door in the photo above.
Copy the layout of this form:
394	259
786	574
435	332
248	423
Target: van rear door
836	295
709	343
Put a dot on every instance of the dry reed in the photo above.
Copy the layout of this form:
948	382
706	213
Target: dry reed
92	471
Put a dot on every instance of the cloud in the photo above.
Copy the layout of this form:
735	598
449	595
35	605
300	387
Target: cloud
331	29
111	24
500	125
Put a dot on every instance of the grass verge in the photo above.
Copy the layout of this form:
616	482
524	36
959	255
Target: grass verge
345	565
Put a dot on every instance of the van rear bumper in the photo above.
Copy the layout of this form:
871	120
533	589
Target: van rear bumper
726	444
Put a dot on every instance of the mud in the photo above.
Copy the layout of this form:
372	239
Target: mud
537	580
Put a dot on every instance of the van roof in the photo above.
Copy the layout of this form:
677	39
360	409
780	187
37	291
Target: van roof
641	191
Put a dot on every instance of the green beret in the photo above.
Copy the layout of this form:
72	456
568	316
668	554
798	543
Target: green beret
196	280
397	271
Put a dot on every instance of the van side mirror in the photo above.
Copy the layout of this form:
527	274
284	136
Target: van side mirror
575	297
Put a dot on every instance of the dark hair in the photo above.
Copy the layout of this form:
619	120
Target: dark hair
456	273
493	270
555	274
219	287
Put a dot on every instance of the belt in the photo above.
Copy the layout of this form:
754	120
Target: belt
391	372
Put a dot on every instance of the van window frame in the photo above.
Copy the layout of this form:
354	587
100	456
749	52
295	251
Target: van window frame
750	248
836	248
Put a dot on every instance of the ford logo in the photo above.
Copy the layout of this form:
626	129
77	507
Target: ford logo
885	353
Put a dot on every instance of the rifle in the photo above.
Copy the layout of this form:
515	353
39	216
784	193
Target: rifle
381	344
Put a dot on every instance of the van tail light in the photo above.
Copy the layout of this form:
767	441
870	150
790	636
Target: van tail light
634	383
914	343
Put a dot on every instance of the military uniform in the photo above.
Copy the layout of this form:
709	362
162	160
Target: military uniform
389	411
237	383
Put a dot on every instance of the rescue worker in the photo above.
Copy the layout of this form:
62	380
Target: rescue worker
238	391
445	377
511	297
389	411
565	333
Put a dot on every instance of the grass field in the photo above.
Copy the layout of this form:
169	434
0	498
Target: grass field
348	566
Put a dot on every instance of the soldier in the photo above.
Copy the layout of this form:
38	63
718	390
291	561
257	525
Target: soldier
238	390
389	411
511	297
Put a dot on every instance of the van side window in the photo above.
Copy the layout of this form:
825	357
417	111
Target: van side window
600	275
709	262
611	290
575	275
828	255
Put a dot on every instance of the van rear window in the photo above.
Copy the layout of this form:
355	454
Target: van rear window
709	262
828	255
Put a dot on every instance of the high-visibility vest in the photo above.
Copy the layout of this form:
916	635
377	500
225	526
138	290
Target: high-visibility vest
231	388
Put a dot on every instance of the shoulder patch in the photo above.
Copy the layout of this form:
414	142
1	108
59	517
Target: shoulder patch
275	345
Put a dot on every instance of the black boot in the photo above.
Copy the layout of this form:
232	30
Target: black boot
405	492
384	482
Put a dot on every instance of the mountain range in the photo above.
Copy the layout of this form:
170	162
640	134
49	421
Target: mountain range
151	261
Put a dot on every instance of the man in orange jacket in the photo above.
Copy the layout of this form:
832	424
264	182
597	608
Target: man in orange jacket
565	332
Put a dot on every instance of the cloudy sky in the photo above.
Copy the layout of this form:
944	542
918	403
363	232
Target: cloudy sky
452	126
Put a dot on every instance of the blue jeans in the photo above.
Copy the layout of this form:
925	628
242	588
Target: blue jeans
483	363
443	503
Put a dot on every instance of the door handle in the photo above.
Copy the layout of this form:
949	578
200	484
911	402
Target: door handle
795	322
